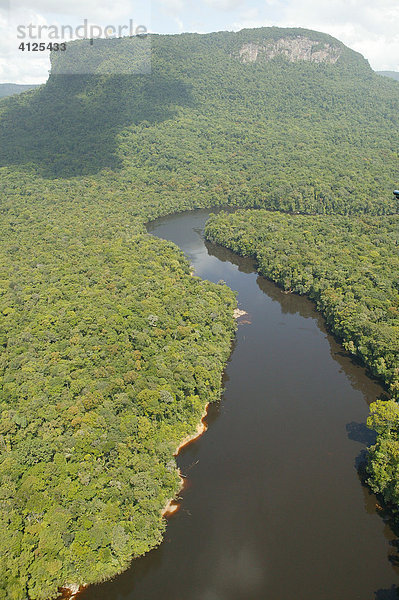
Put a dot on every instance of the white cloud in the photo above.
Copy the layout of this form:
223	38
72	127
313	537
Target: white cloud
32	67
173	9
225	4
180	24
172	6
363	25
81	9
17	66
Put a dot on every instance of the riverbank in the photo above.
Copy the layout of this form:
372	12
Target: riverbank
71	591
68	592
173	505
282	444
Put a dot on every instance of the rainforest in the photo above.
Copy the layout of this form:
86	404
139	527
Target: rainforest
110	347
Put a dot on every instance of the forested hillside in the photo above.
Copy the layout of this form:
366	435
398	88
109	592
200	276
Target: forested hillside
391	74
109	348
209	126
9	89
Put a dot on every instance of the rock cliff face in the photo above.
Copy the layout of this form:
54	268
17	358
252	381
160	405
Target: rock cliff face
293	49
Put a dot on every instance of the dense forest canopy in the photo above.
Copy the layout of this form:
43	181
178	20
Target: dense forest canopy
302	135
109	348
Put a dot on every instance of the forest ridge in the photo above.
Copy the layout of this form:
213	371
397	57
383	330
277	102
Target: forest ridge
110	349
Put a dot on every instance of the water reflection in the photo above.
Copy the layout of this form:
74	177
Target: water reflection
359	432
296	304
274	507
391	594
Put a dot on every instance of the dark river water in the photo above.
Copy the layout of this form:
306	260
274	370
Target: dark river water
273	507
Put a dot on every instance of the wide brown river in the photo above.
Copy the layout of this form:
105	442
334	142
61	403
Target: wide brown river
273	508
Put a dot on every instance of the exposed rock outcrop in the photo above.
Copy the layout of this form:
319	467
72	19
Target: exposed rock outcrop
293	49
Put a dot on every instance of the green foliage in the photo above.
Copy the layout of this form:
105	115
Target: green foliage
9	89
383	463
204	129
109	348
109	355
391	74
348	266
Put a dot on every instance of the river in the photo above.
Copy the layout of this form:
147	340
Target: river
273	508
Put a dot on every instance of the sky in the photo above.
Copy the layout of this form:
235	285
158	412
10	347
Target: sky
366	26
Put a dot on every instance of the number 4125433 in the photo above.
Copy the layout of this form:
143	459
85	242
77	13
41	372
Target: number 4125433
42	46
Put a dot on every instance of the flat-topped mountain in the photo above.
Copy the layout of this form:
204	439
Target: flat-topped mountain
286	118
249	45
110	349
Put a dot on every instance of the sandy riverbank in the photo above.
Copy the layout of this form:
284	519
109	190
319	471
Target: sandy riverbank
71	591
239	313
173	504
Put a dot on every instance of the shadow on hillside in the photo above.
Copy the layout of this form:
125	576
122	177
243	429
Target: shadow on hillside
68	127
